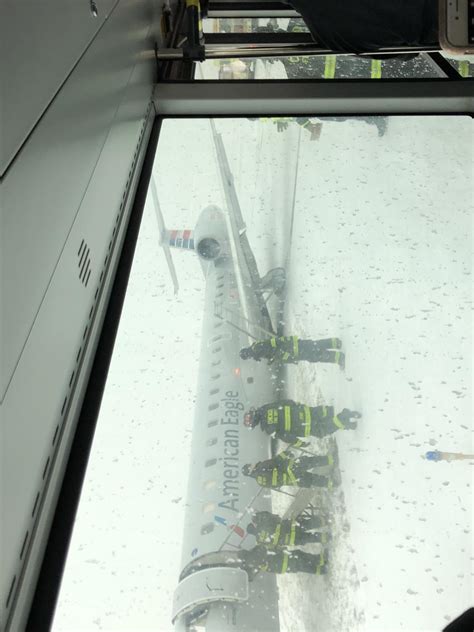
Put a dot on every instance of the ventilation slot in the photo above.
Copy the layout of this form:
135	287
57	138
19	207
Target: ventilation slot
35	506
84	262
45	471
10	592
25	540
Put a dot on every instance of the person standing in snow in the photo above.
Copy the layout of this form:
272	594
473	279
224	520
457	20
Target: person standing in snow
365	26
271	530
280	561
291	349
287	420
286	469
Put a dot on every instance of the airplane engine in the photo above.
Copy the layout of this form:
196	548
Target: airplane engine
210	234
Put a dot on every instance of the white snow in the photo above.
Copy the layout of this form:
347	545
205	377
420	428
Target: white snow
381	255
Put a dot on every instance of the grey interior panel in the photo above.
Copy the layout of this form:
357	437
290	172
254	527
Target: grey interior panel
33	71
61	237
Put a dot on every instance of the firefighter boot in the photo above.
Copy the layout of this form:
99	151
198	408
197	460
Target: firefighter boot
346	416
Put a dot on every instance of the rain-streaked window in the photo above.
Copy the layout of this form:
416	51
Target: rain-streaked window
341	428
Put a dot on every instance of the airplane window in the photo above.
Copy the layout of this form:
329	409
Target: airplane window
214	391
217	350
358	242
216	338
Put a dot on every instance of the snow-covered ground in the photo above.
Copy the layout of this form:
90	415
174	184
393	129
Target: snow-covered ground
389	269
383	258
381	255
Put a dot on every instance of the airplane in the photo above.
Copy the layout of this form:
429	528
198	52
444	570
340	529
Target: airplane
213	591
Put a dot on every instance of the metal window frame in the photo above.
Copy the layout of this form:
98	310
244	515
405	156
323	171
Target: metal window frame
314	97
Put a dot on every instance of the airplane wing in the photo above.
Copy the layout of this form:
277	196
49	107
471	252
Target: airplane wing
237	222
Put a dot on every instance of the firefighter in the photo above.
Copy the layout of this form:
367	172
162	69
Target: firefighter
282	122
292	349
286	469
280	561
287	420
271	530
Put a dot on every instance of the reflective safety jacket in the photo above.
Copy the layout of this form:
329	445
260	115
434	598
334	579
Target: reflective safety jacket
276	472
273	530
286	419
289	421
283	348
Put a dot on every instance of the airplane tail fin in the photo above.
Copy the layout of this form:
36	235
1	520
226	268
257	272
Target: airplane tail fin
179	238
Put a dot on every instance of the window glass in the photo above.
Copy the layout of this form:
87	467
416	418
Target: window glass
307	67
253	25
320	67
464	65
346	245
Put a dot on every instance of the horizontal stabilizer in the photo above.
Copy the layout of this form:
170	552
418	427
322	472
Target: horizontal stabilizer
164	232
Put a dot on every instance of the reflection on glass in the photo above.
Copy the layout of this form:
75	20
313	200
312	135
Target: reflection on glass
253	25
307	67
464	65
338	493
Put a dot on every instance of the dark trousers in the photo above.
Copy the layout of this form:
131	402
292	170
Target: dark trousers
323	425
310	522
319	350
302	562
306	478
308	537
